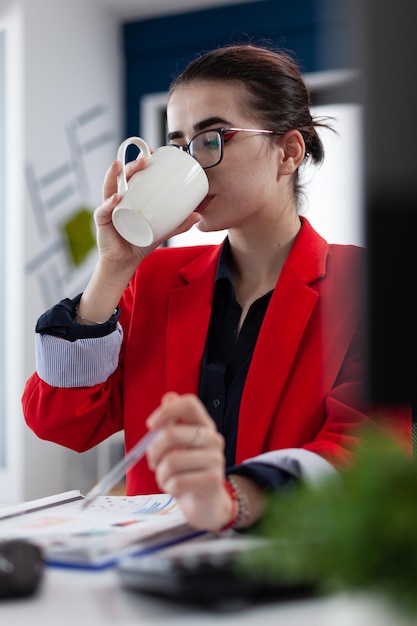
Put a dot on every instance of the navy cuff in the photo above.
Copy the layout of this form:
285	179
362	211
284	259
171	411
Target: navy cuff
59	322
265	476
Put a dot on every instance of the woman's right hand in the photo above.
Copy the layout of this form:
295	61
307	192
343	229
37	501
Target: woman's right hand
118	259
113	248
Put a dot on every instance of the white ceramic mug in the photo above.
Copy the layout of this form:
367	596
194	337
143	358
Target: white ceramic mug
159	198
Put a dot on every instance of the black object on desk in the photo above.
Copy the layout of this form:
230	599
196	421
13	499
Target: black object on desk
204	577
21	569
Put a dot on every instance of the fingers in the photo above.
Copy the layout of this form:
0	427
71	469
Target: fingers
188	458
190	477
192	219
189	463
110	179
103	213
186	446
135	166
185	409
169	397
188	439
111	198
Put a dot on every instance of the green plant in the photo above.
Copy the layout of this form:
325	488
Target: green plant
360	535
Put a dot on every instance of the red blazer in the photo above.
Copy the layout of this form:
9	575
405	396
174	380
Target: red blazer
304	384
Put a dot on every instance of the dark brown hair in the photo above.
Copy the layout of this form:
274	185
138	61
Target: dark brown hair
277	93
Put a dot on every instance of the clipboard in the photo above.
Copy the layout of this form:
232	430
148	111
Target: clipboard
111	528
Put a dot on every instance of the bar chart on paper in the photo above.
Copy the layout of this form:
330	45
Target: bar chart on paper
111	528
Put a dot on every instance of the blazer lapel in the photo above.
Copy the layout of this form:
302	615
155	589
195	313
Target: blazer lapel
289	311
188	321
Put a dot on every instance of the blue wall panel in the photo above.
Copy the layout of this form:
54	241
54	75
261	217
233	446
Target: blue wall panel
157	49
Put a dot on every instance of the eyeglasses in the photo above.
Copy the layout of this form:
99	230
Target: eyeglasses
207	147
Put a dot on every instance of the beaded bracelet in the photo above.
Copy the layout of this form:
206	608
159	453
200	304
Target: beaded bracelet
243	512
84	319
235	506
240	509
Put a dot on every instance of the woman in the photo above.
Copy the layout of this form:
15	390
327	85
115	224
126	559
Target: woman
246	356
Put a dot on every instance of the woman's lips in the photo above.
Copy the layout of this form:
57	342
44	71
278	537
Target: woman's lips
202	206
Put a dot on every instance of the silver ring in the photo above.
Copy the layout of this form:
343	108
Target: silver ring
198	437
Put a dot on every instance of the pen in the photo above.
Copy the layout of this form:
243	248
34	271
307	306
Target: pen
119	470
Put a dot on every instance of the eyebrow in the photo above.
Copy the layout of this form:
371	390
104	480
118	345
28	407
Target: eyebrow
199	126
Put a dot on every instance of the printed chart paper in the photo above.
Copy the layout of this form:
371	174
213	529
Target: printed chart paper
110	528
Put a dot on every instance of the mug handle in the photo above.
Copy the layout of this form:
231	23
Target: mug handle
121	156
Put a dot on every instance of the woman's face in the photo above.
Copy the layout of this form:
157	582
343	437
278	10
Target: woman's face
245	184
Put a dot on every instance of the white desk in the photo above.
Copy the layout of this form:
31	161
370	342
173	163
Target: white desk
74	598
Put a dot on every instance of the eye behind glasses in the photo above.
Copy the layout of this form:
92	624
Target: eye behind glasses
207	145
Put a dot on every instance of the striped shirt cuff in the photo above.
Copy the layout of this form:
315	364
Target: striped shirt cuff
307	466
81	363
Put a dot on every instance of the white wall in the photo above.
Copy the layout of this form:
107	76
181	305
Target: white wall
64	61
333	191
68	64
11	475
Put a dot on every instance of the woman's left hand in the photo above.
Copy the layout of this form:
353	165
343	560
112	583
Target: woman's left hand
187	456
